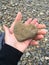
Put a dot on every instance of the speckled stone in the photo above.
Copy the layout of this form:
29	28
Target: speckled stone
23	32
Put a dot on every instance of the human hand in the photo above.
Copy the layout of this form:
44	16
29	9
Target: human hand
21	46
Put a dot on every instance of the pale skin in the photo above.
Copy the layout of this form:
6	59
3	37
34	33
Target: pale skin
21	46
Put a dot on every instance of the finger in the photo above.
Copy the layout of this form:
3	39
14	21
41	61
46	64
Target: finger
42	31
17	19
28	21
41	26
35	22
34	43
6	29
39	37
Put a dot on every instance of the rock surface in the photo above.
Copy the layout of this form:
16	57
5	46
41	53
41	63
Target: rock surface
23	32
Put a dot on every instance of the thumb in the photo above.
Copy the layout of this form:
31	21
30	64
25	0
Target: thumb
6	29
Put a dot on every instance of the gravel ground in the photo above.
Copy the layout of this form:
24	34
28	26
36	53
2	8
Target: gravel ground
30	8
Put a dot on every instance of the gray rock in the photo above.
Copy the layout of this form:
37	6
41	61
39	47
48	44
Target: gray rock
47	12
27	54
4	7
1	15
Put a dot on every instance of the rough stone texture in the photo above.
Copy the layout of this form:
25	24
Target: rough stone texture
30	8
24	32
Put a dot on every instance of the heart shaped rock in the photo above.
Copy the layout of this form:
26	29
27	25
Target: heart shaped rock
23	32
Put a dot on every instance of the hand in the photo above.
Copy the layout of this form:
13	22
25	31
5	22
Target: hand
21	46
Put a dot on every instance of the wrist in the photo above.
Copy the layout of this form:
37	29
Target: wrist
16	46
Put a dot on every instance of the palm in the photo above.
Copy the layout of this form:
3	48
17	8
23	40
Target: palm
12	41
